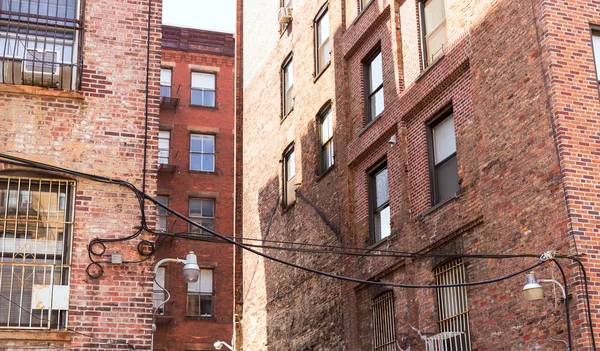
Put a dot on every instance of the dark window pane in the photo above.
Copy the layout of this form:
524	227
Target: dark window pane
208	208
447	179
206	306
193	305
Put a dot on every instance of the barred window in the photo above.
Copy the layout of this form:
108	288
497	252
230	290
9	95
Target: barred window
36	224
384	324
453	308
200	295
40	43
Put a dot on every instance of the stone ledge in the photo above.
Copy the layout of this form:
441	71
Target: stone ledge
40	91
35	335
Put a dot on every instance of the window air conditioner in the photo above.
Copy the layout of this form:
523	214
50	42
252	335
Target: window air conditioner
285	15
446	341
40	67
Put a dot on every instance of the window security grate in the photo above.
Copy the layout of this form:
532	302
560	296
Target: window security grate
384	329
35	251
40	43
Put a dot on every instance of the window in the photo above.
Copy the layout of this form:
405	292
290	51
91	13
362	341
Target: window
287	73
442	158
202	152
289	176
362	4
596	46
200	295
453	308
326	140
433	30
202	211
373	86
384	323
165	82
161	220
203	89
164	137
159	291
40	43
380	203
36	227
322	40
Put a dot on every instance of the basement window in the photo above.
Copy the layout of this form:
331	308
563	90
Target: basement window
40	43
384	323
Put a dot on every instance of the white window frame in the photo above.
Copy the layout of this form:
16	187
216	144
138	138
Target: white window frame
164	146
199	291
287	87
201	152
428	33
322	45
204	91
326	149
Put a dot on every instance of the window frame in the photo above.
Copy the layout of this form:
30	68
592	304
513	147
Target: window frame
192	89
200	294
384	305
363	4
167	150
434	188
214	153
324	11
326	111
284	101
201	218
368	94
448	267
288	199
160	216
170	85
155	285
374	210
423	34
595	33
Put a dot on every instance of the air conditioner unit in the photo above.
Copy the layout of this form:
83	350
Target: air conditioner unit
285	15
446	341
40	67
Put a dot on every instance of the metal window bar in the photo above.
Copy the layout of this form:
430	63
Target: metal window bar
384	329
453	308
35	256
40	43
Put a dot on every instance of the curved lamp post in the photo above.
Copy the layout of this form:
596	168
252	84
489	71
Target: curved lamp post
219	345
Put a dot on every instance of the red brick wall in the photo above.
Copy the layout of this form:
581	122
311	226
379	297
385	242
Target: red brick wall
98	130
181	332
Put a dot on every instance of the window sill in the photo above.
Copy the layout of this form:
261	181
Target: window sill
35	335
286	208
371	122
438	205
202	106
326	172
374	246
200	318
318	75
286	116
41	91
430	67
202	172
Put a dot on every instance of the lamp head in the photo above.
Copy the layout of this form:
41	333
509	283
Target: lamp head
218	345
191	270
532	290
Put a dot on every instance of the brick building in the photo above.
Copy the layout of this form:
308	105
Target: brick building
438	126
83	103
195	178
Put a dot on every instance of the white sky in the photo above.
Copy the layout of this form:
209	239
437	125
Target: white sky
217	15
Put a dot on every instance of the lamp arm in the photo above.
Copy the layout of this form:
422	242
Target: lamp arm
562	289
158	264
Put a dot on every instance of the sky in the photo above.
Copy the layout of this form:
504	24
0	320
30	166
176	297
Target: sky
217	15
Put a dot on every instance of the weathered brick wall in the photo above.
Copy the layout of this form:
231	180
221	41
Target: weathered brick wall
511	198
98	130
181	332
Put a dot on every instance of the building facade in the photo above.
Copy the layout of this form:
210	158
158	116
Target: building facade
77	92
195	178
420	141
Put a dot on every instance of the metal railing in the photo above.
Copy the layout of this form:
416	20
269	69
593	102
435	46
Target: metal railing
40	43
35	251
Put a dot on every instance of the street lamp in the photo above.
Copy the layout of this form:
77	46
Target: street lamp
533	290
191	271
219	344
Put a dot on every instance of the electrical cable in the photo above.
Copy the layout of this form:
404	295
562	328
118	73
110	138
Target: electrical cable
587	298
103	340
146	117
568	316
